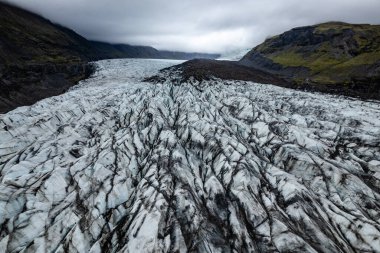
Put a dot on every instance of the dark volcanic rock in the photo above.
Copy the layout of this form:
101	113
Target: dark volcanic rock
202	69
25	85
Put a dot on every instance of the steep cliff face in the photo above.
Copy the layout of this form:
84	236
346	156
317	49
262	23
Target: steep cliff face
332	55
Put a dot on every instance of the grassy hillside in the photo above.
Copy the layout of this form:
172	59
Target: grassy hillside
334	54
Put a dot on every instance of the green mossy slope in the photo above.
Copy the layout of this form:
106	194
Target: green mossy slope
333	54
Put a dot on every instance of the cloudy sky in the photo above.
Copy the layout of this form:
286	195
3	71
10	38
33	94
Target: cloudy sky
197	25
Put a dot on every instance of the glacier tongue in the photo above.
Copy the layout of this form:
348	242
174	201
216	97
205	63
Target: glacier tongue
120	165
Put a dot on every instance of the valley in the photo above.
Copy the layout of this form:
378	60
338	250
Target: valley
117	164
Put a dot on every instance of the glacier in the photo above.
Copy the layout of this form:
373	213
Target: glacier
118	164
234	55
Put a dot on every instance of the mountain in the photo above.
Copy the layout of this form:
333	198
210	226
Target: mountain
104	50
39	59
334	55
28	39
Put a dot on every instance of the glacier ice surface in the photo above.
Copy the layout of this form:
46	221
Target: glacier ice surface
121	165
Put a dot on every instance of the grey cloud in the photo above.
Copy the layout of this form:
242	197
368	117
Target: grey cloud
197	25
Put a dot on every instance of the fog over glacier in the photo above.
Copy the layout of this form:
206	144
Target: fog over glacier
117	164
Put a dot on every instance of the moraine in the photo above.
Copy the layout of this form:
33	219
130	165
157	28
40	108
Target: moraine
120	165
